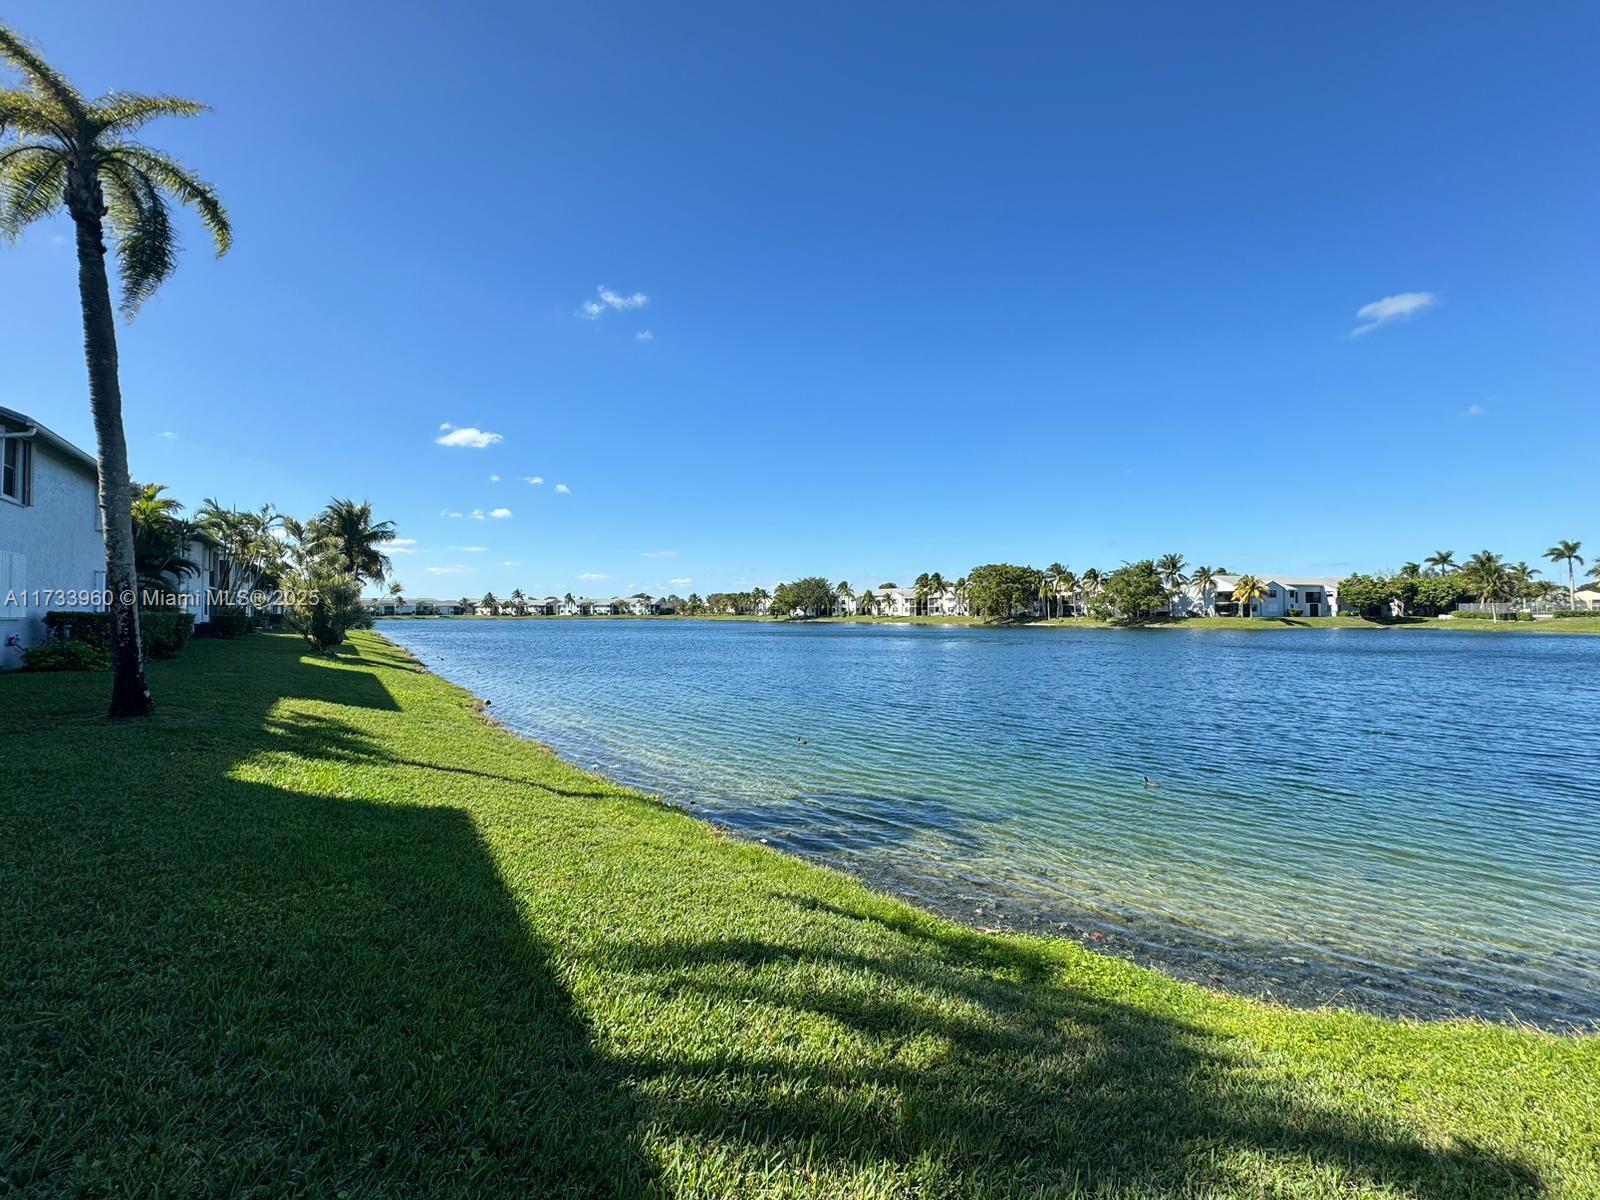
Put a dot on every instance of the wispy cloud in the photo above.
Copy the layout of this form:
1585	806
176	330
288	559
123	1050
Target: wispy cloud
512	562
644	335
1390	309
401	546
468	549
661	554
593	310
500	514
454	569
469	436
476	514
563	489
1475	410
592	575
446	512
534	479
494	479
680	582
169	435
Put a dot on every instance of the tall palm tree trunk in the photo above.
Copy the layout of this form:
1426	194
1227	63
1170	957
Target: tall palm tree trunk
129	695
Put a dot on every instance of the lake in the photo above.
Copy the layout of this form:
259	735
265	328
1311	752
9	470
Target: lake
1401	820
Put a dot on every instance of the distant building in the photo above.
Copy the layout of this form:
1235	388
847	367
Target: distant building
1283	596
901	602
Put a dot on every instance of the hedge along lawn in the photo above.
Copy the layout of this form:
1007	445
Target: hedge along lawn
316	929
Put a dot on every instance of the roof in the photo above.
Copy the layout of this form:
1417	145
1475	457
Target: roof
1226	582
55	441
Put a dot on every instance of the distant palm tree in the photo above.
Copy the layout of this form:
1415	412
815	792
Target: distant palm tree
398	591
73	152
845	593
161	537
1204	581
359	537
1090	582
1067	587
1441	562
867	603
1410	570
251	550
1486	574
489	601
1247	591
759	596
1520	577
1171	567
1568	552
1053	573
466	604
936	584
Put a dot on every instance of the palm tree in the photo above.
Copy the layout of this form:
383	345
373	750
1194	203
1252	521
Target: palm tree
1521	580
1486	575
936	585
1248	590
1053	573
1067	587
59	149
845	593
1170	567
1410	570
962	591
1204	581
867	603
1441	562
249	547
466	604
1047	589
760	596
1090	582
1568	552
397	590
359	537
518	597
489	602
160	537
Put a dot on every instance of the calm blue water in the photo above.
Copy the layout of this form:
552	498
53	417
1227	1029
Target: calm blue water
1406	820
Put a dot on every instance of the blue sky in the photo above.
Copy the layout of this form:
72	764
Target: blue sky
924	285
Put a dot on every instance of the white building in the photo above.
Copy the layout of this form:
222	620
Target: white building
901	602
1284	596
52	545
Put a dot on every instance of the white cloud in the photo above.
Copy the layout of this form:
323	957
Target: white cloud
445	512
494	479
468	436
512	562
644	335
680	582
563	489
500	514
469	549
1475	410
592	310
661	554
534	479
169	435
401	546
593	575
455	569
476	514
1392	308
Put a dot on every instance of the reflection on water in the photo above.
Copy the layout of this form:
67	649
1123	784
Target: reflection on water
1407	820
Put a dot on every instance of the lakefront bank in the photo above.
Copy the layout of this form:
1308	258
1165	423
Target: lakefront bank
316	912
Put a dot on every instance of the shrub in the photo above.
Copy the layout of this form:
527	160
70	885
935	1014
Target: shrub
66	654
325	602
229	621
1574	612
1295	612
162	632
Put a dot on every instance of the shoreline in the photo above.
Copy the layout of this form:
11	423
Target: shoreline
1272	974
1558	625
316	900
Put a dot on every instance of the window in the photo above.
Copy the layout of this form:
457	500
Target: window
16	466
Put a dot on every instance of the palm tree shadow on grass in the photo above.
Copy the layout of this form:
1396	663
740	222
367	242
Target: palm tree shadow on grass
1041	1089
269	991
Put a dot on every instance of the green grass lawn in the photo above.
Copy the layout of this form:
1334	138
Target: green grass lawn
318	930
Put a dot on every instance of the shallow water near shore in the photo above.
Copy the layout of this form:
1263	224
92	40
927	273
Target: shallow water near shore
1401	820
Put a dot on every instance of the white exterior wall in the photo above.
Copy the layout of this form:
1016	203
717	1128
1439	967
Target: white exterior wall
54	543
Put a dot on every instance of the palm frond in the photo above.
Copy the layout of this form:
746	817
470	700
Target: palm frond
28	113
188	189
44	78
124	112
32	181
147	246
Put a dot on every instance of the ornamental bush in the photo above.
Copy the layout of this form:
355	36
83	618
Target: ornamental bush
66	654
163	632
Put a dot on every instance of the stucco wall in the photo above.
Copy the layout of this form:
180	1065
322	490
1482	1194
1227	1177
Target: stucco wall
58	538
